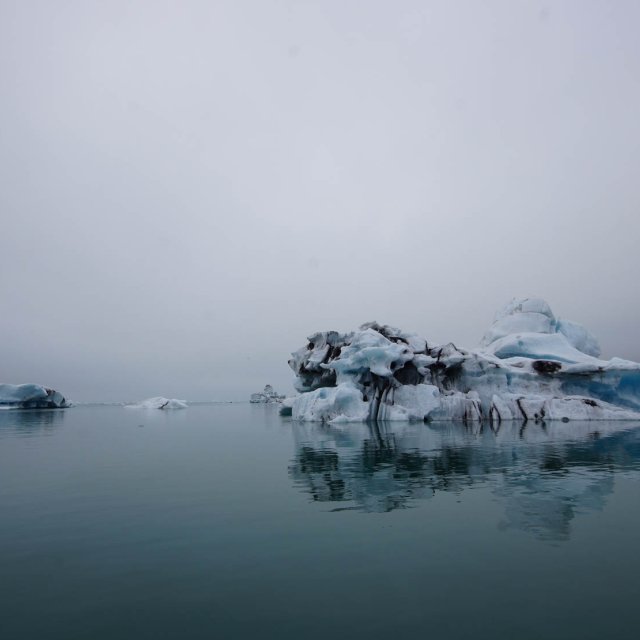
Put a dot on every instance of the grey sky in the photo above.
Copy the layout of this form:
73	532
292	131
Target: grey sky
190	188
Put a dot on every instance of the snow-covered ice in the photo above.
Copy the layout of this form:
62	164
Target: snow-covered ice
30	396
159	403
530	365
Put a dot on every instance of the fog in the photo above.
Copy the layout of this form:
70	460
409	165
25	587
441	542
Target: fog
189	188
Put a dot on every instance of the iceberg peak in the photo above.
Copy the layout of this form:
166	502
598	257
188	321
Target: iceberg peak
526	327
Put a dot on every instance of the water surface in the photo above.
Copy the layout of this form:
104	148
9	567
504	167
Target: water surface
227	521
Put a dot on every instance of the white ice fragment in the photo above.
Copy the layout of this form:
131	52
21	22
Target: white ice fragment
158	403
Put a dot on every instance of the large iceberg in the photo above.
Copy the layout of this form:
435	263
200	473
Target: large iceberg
530	365
30	396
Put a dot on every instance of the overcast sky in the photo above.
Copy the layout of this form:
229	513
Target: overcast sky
190	188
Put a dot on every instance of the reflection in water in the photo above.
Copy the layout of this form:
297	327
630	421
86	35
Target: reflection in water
542	474
28	422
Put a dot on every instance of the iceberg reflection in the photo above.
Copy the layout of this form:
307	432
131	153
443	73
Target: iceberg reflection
543	475
30	422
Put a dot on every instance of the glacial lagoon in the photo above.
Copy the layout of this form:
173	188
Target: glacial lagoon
230	521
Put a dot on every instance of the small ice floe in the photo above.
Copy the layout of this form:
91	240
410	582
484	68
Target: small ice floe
159	403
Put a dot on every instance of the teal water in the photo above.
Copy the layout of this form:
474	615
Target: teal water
228	521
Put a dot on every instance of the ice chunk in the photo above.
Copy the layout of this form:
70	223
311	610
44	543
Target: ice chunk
30	396
159	403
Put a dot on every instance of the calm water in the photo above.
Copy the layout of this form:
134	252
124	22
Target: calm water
227	521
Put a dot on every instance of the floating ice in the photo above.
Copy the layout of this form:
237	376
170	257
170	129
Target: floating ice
267	395
30	396
530	366
159	403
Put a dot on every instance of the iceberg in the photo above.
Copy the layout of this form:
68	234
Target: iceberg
267	395
30	396
530	365
159	403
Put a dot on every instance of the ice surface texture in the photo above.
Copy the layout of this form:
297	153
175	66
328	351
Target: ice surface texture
30	396
530	365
